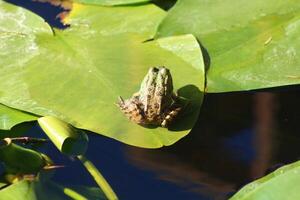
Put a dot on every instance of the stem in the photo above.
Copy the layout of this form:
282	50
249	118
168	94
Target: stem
99	179
27	140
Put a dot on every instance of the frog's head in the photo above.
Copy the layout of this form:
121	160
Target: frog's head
157	82
164	80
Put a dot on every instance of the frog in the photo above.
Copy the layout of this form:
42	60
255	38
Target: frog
155	103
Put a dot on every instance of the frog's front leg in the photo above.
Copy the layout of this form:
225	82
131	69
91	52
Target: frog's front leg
132	109
170	115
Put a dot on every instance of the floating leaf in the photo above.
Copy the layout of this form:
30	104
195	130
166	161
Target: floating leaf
251	44
66	138
280	184
78	74
9	117
94	21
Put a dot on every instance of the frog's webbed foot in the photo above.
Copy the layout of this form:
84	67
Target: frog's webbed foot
132	110
170	116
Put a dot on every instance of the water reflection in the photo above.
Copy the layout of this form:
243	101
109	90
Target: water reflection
264	115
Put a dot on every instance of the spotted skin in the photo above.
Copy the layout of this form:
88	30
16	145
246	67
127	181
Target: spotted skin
155	103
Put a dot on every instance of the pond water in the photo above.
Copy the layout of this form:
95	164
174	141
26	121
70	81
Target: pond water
238	137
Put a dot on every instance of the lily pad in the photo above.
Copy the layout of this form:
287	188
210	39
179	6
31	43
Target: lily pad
280	184
88	21
9	117
250	44
78	74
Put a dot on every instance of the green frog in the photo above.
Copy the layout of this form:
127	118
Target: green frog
155	103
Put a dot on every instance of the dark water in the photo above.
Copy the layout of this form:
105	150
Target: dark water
238	137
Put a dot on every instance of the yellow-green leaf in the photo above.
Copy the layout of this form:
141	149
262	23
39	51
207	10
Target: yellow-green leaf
250	44
78	74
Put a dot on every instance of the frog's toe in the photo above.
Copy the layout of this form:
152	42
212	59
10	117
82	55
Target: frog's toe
164	123
121	99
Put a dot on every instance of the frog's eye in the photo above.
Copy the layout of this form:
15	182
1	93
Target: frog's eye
153	70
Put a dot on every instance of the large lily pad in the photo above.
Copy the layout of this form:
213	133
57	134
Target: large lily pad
251	44
9	117
280	184
78	74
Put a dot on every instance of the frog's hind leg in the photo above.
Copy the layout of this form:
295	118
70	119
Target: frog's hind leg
170	116
132	110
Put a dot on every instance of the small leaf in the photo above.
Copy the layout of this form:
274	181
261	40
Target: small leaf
66	138
20	160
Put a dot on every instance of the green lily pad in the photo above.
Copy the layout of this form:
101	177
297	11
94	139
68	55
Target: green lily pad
9	117
250	44
88	21
78	74
40	190
280	184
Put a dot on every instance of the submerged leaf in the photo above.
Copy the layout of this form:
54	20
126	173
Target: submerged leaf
250	44
78	74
